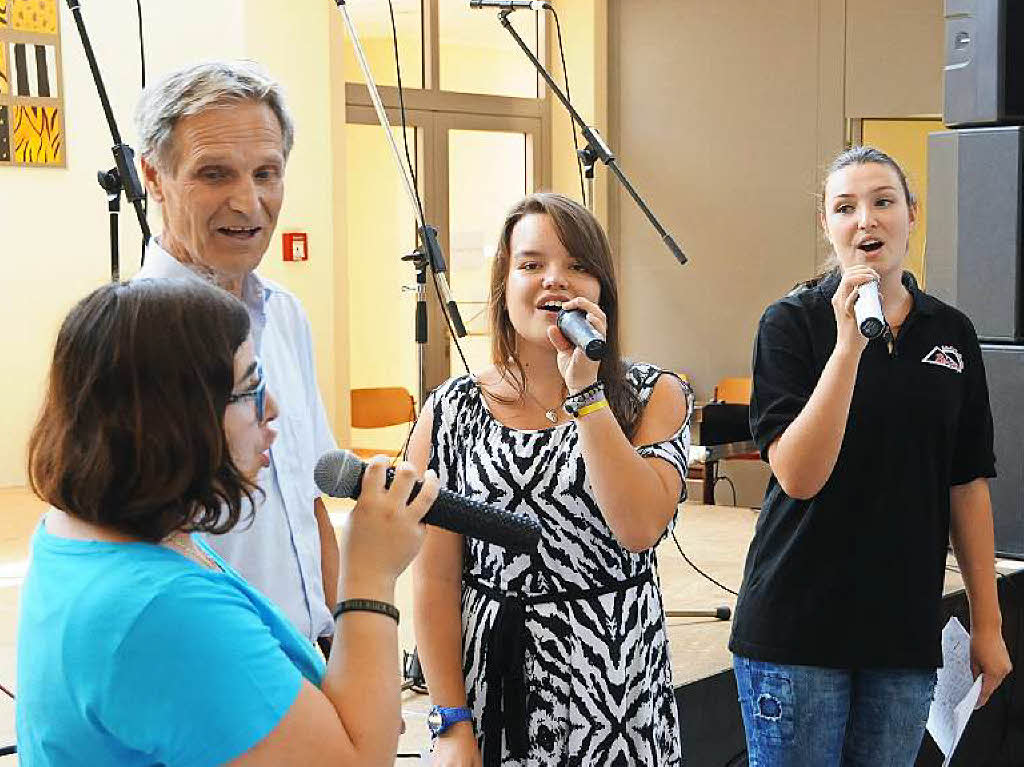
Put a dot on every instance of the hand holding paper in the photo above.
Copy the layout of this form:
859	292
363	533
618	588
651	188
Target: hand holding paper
956	690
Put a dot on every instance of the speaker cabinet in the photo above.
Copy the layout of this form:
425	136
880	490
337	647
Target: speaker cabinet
975	240
983	82
1004	368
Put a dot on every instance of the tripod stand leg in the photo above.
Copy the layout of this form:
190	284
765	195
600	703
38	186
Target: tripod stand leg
722	613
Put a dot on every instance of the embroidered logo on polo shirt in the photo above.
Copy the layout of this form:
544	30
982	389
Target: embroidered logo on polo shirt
947	357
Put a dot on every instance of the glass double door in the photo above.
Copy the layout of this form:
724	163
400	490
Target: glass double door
470	170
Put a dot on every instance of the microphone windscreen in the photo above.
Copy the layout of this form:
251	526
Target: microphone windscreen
338	473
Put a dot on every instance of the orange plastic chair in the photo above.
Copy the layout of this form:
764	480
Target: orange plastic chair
375	408
733	391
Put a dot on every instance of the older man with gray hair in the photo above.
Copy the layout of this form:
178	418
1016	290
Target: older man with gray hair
214	140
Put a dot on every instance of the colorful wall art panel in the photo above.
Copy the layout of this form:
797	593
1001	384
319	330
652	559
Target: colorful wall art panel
31	95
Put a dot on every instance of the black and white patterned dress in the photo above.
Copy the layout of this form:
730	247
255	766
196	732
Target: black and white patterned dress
565	654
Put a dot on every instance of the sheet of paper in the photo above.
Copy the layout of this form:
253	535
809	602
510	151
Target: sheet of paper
956	690
961	713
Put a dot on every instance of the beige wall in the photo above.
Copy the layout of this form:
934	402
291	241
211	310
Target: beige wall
54	223
585	36
894	58
295	47
719	132
724	114
906	141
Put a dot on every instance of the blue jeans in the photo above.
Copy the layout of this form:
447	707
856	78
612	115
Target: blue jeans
808	716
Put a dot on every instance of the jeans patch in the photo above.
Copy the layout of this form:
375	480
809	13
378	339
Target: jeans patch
769	707
772	705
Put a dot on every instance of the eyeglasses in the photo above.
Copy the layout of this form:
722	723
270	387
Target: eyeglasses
258	393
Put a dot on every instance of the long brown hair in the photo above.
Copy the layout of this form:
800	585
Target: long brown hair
584	239
131	432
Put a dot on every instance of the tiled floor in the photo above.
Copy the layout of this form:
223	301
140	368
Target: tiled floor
20	511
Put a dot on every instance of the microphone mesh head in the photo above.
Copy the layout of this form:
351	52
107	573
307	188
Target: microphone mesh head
337	473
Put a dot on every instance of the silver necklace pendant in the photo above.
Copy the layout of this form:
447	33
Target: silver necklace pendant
550	415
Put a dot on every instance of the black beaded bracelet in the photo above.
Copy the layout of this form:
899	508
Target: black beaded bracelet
588	396
366	605
587	389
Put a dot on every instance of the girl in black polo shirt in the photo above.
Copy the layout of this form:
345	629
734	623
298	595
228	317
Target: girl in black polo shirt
879	452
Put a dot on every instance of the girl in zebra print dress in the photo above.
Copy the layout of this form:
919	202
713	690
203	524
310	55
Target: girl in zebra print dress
560	656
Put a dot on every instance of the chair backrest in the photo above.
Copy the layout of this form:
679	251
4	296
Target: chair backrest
382	406
735	391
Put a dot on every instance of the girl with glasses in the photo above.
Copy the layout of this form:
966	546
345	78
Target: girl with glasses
137	644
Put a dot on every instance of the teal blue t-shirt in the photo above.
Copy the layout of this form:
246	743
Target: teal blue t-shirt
131	654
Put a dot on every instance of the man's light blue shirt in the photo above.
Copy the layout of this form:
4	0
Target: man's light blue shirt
279	552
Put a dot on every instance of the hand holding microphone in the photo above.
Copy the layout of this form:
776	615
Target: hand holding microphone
340	474
868	311
578	330
579	337
383	534
851	309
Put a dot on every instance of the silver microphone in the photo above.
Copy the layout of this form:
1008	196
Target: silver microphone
868	310
577	329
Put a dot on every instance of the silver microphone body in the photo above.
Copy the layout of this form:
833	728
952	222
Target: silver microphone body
574	326
868	310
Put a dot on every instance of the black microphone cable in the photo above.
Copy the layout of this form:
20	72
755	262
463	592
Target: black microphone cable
699	571
723	478
416	194
401	106
142	67
142	45
572	125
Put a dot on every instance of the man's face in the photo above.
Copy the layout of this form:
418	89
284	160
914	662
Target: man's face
222	189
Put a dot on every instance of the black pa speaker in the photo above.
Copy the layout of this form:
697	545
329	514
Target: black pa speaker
983	82
976	226
722	423
1004	368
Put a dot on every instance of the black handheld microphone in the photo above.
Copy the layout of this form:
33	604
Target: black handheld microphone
510	5
339	473
574	326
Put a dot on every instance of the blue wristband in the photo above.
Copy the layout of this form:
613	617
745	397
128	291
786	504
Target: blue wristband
440	718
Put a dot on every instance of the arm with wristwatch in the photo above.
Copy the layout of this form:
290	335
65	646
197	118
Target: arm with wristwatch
437	581
355	715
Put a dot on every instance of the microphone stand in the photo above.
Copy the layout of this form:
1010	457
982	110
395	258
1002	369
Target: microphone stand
588	157
123	176
428	255
596	146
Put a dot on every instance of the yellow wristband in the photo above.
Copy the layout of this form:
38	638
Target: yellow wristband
591	407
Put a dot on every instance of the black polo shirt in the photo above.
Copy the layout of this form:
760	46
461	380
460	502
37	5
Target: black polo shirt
853	576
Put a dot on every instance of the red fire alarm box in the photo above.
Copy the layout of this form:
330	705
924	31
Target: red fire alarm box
296	246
